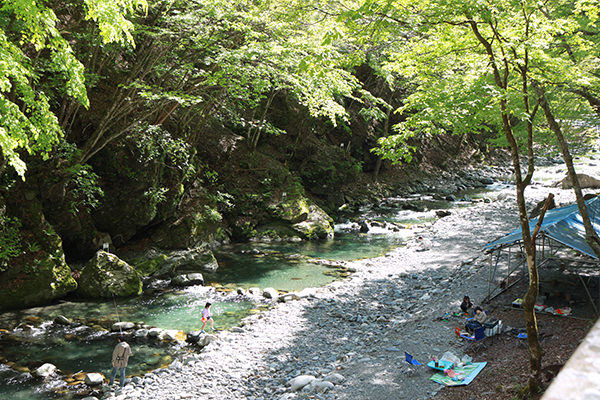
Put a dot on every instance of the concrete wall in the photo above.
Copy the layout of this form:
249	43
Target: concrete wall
580	377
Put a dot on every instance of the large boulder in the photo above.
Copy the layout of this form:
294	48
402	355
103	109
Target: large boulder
38	273
305	217
585	182
106	275
156	263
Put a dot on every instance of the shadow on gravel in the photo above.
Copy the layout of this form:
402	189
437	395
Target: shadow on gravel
362	335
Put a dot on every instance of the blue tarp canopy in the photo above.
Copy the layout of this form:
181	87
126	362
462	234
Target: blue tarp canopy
562	224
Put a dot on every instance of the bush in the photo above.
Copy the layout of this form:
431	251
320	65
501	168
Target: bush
10	240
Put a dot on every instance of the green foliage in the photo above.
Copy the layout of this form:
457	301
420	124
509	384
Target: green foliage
10	240
155	144
395	147
327	171
83	188
156	195
32	46
431	46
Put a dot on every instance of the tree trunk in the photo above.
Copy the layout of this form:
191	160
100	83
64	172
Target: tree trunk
501	79
591	236
386	128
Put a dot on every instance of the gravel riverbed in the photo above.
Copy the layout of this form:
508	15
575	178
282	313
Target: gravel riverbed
351	335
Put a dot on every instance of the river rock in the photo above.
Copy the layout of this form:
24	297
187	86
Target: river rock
168	334
193	336
334	378
305	217
62	320
208	339
176	365
300	381
289	297
141	333
106	275
195	278
94	378
442	213
319	386
45	370
254	291
122	326
535	212
154	332
270	293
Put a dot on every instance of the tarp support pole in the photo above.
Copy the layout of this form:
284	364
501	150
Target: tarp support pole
589	295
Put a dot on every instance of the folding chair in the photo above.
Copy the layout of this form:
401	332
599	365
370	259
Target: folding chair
410	360
477	337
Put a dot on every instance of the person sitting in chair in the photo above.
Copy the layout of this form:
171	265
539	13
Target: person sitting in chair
477	321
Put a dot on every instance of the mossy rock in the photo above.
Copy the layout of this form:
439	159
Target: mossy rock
307	219
106	275
148	266
39	275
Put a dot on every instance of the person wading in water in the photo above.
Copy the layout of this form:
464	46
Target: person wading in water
207	317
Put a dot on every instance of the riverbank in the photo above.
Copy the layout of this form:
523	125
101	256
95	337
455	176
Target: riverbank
355	331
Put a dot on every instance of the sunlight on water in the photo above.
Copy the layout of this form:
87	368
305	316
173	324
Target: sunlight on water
181	311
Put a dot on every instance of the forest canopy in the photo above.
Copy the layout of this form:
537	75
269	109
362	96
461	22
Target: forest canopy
195	60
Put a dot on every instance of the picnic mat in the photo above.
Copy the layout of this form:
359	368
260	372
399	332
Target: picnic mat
469	372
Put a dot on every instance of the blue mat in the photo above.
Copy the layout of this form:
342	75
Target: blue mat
466	374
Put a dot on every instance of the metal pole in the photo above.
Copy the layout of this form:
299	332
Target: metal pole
589	295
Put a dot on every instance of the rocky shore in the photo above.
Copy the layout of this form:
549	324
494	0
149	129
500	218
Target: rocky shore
347	340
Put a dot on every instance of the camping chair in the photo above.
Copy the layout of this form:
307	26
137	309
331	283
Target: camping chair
477	337
409	359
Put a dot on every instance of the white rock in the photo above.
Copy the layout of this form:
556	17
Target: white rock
286	298
154	332
320	386
122	326
176	365
45	370
140	333
254	291
168	334
93	378
300	381
270	293
207	339
334	378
